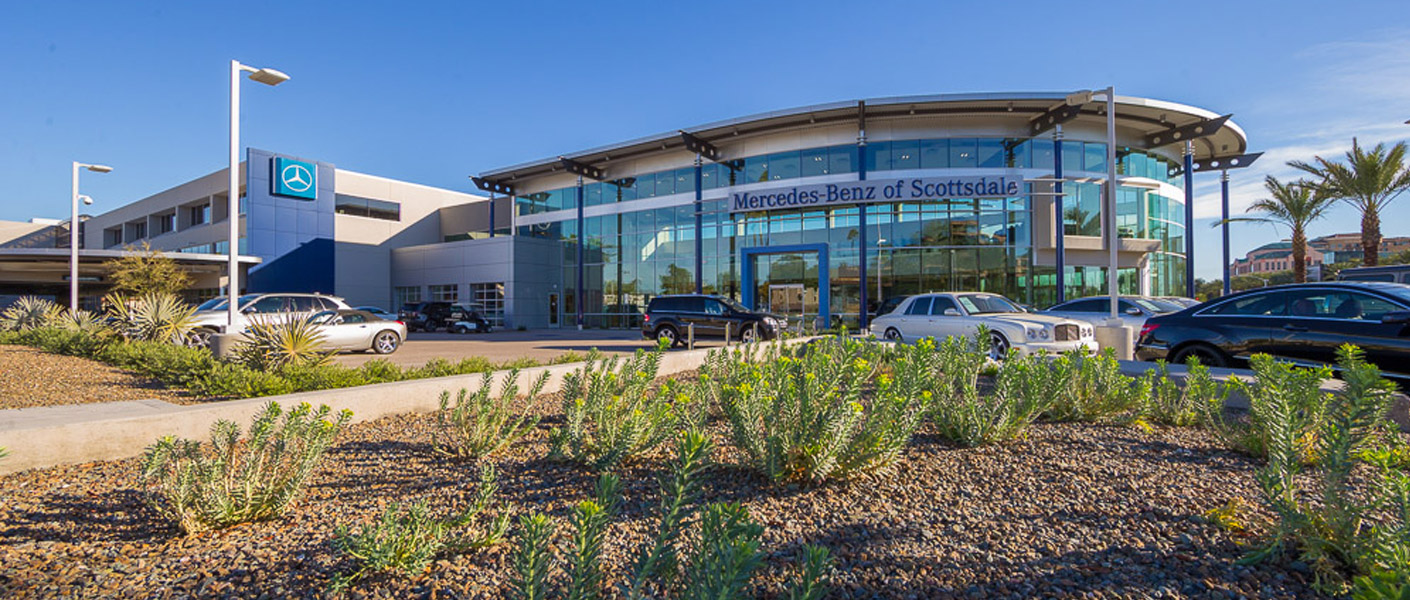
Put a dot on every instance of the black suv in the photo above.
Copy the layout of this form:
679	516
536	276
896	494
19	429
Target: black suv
430	316
670	317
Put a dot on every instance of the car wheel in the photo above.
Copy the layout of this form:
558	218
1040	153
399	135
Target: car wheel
669	335
1207	355
893	334
998	345
200	338
749	334
456	329
386	342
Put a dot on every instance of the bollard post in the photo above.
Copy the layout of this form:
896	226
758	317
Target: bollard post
690	336
727	333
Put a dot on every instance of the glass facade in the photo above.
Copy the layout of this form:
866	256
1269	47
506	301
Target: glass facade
953	244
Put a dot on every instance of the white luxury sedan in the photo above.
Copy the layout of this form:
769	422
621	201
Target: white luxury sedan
961	313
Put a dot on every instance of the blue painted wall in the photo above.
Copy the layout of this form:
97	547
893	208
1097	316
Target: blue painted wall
292	235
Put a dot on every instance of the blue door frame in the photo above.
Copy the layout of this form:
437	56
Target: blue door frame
746	260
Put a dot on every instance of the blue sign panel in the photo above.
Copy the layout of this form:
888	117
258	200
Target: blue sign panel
295	178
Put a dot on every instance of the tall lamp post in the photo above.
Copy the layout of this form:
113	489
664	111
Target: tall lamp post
1109	207
269	77
73	231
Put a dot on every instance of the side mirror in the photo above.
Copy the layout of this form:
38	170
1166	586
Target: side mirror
951	312
1133	311
1399	317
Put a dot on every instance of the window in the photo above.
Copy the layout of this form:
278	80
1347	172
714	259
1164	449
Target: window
112	237
166	223
366	207
137	231
919	306
1339	305
268	304
490	298
200	215
941	305
353	318
444	293
714	307
1090	305
404	295
1254	305
306	304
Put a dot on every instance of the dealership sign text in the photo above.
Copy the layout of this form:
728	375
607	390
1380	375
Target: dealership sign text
878	190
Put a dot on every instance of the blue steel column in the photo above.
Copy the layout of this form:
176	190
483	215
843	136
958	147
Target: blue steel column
862	231
699	232
578	302
1058	209
1224	224
491	214
1189	219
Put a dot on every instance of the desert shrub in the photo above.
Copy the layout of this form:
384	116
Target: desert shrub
1092	388
533	560
960	412
480	424
799	414
234	481
589	521
152	317
303	377
1338	534
406	538
381	370
29	312
271	344
59	340
81	321
238	381
172	364
1187	404
1278	388
610	412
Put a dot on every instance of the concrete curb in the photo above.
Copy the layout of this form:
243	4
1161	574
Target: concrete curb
60	435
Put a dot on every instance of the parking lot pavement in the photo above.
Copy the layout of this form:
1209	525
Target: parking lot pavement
502	346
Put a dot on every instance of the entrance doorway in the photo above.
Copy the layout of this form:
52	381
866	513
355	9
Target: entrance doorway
792	281
553	310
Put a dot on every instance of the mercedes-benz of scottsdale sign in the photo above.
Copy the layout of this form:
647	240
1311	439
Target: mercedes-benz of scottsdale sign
877	190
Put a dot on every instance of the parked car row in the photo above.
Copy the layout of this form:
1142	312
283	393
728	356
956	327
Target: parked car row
343	328
454	318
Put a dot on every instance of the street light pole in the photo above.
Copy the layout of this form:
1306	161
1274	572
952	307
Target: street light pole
1112	288
269	77
73	231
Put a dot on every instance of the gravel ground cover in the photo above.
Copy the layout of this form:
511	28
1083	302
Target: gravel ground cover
30	378
1072	510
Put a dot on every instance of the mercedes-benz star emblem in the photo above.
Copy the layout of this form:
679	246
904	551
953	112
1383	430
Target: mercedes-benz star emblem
296	178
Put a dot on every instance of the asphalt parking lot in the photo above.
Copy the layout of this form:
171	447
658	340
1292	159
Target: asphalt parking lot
502	346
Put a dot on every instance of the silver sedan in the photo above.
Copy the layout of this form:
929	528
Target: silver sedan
359	331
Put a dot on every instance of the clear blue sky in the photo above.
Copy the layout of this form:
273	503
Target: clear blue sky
433	92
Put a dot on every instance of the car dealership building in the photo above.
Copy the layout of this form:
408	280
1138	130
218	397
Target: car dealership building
814	212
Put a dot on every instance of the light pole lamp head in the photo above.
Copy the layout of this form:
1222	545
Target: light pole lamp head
99	168
269	76
1079	98
86	198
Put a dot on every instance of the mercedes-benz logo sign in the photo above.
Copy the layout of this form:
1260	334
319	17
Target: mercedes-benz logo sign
297	178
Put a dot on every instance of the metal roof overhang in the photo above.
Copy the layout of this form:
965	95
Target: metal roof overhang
38	259
1143	115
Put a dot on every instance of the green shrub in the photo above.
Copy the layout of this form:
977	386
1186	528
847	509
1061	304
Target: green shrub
70	342
724	559
1336	535
310	377
229	380
960	412
405	539
1187	404
29	312
799	416
533	559
153	317
478	425
1092	388
589	521
170	363
271	344
381	370
233	481
81	321
1277	387
610	413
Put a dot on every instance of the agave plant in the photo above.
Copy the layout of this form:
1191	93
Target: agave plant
271	344
155	317
29	312
80	321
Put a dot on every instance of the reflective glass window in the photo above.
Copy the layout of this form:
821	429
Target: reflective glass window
878	156
842	159
756	169
1071	156
919	306
784	165
665	183
1041	155
710	175
1094	156
941	304
964	153
905	155
934	154
1019	151
991	153
814	162
685	180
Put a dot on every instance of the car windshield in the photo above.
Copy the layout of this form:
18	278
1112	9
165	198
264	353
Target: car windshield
1401	292
735	306
1157	306
984	304
221	303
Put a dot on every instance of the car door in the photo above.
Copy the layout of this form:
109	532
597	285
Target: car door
355	331
1245	325
1324	319
915	321
716	314
1090	310
945	324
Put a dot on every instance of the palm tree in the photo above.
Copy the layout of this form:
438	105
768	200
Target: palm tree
1296	205
1368	181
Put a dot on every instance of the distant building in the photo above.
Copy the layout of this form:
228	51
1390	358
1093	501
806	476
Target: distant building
1274	257
1343	247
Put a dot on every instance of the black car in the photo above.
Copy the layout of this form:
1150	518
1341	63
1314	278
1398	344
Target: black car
1302	323
670	317
889	305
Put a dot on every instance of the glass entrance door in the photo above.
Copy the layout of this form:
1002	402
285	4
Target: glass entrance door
787	285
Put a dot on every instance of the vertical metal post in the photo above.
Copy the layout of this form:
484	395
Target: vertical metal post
699	232
234	200
1189	219
491	214
1113	240
862	220
1059	226
1224	224
73	246
690	336
578	300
